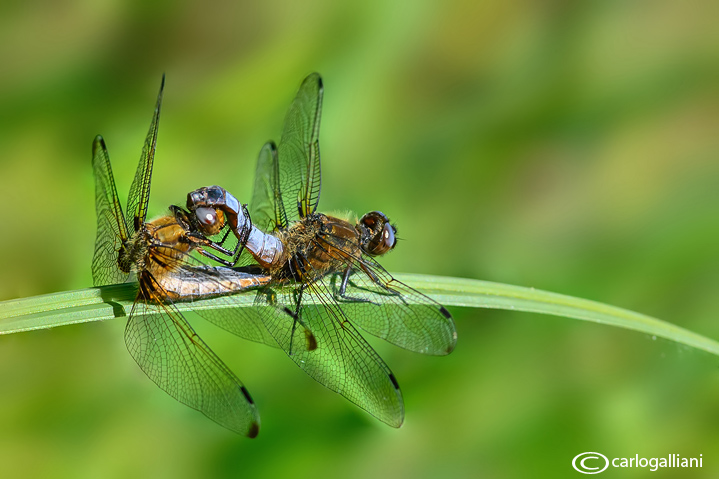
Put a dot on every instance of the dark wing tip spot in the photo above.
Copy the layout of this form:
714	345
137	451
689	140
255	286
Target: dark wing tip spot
162	83
314	76
394	382
97	144
311	341
247	395
444	311
254	430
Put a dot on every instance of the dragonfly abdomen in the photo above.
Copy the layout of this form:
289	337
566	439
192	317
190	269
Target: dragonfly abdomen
208	282
265	248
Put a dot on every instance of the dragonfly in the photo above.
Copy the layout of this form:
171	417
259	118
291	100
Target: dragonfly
157	254
324	275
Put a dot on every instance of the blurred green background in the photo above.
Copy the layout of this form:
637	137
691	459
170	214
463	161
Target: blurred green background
568	146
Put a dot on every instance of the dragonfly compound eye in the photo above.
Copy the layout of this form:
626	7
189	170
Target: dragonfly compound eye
210	220
388	238
207	196
206	216
377	234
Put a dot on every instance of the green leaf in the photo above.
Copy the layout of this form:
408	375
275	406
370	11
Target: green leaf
107	302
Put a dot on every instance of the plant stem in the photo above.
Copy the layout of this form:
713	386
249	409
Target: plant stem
107	302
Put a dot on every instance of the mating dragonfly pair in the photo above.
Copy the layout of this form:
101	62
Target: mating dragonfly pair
314	278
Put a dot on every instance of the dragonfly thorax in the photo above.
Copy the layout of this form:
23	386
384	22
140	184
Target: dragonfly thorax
132	254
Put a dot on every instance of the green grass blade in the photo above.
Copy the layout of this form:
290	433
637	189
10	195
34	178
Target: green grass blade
485	294
107	302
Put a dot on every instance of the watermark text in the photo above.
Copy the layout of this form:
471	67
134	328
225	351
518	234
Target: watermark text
594	462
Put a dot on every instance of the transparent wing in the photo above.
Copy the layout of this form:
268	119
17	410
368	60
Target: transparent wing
169	351
247	325
111	227
219	295
230	311
252	323
386	307
278	330
342	361
139	197
267	211
246	259
216	292
299	151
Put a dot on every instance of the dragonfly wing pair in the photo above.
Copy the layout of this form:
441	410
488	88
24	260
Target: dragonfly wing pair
287	190
171	353
158	337
112	231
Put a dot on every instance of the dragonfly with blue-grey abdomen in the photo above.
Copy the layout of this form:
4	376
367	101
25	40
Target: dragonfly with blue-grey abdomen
323	273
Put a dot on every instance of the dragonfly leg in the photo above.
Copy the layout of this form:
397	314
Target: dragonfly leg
200	240
341	294
223	262
244	235
224	238
233	253
310	339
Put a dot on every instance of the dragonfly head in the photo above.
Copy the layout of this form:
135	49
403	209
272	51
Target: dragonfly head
377	235
209	220
211	208
205	220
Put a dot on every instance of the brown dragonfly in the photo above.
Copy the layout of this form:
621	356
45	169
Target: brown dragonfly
323	272
158	254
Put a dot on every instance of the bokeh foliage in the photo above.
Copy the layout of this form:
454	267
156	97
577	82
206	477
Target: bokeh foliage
568	146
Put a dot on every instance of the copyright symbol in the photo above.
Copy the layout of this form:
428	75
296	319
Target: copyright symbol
590	462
